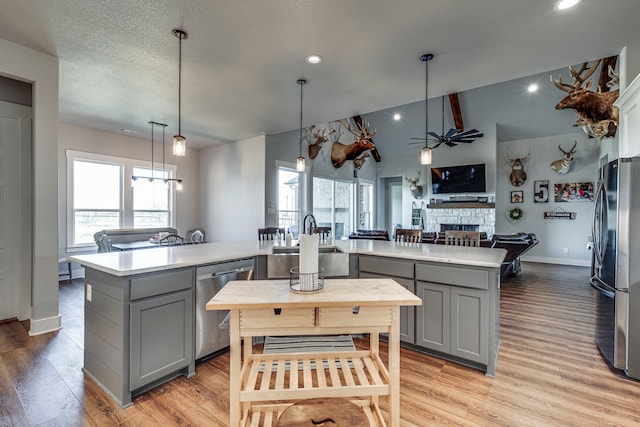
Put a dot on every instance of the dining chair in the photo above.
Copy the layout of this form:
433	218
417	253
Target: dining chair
172	239
462	238
408	235
104	244
196	236
269	233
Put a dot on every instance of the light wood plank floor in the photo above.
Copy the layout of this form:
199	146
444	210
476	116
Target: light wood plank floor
549	372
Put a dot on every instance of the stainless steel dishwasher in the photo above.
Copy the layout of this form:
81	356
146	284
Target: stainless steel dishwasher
210	337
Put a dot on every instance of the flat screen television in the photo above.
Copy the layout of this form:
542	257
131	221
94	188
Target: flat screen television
458	179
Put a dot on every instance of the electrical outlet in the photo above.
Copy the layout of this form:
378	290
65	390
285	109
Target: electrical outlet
566	250
89	292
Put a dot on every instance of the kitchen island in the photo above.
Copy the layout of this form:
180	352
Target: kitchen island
139	305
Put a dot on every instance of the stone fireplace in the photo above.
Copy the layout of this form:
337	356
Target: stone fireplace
461	217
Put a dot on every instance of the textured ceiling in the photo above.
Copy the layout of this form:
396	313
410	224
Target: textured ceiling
119	60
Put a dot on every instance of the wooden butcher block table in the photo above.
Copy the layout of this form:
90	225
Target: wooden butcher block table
263	386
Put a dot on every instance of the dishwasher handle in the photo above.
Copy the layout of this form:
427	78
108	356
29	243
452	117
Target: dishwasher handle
237	271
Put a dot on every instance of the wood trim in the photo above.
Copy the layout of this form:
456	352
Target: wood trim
456	112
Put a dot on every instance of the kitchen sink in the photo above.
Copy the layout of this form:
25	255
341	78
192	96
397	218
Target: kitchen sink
330	258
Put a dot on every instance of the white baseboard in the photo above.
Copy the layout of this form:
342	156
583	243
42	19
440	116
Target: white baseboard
42	326
564	261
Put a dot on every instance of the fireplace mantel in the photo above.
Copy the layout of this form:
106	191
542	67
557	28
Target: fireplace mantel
461	206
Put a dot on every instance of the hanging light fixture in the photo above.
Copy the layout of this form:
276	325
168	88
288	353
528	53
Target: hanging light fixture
179	141
425	153
300	161
162	177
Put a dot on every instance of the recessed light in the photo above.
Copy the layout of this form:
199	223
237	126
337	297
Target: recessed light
314	59
532	88
566	4
397	117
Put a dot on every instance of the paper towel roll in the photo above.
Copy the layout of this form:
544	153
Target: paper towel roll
308	253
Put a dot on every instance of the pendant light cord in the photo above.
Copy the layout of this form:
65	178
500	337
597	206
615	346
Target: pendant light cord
426	101
152	144
180	85
301	84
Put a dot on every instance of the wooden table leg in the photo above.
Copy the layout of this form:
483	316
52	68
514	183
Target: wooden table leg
235	352
394	368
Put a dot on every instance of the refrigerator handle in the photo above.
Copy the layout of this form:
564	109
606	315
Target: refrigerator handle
596	232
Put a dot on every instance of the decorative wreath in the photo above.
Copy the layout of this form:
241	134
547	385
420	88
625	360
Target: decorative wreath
515	214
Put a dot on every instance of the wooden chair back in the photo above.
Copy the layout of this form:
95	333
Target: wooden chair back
408	235
462	238
269	233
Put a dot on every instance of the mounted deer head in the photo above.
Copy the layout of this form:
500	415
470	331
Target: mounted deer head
563	165
416	190
319	136
340	153
592	107
518	176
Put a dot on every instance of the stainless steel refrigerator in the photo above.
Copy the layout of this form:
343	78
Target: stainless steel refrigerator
616	264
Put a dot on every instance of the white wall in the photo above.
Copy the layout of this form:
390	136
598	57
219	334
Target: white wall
42	71
133	147
232	183
553	234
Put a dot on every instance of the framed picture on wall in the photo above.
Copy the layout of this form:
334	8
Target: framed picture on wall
541	191
517	196
574	192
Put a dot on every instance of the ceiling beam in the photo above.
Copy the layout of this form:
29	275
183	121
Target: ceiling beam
455	111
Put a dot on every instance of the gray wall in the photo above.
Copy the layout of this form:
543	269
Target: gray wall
16	91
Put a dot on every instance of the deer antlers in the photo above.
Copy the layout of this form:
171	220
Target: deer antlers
578	79
361	133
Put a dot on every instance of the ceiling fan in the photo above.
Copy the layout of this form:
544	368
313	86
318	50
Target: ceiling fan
453	136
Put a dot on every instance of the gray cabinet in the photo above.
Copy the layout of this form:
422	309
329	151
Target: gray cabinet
138	329
434	316
402	272
469	311
161	337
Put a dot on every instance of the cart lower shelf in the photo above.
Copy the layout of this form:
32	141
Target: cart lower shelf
269	379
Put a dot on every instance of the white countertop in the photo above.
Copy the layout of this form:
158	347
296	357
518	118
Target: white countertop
128	263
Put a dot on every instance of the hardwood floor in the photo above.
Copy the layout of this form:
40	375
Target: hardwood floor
549	372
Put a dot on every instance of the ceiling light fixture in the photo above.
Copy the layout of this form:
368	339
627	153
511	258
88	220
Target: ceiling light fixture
162	178
300	161
313	59
532	88
397	117
179	141
566	4
425	153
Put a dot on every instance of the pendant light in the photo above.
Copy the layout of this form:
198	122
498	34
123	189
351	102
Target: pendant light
179	141
425	153
161	178
300	161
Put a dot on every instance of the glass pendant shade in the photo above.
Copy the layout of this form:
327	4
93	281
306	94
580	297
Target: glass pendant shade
425	156
179	185
300	164
179	145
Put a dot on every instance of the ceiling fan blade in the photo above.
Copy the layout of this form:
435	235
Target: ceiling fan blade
465	140
450	143
435	135
469	132
451	133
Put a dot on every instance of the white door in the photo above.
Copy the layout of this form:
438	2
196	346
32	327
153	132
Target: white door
10	134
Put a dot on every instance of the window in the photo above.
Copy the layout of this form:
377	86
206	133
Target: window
150	200
365	205
100	196
333	203
96	199
290	198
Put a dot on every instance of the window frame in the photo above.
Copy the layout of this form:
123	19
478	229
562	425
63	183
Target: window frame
126	191
353	202
303	190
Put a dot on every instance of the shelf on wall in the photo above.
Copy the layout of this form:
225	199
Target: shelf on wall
461	206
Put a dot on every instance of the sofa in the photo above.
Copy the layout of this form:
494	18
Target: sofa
516	245
370	235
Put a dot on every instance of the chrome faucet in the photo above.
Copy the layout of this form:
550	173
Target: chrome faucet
312	224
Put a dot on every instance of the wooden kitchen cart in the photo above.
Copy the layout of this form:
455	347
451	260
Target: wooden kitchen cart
262	386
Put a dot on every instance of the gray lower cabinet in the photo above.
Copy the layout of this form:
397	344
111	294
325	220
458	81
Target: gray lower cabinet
433	329
402	272
450	321
138	329
161	337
